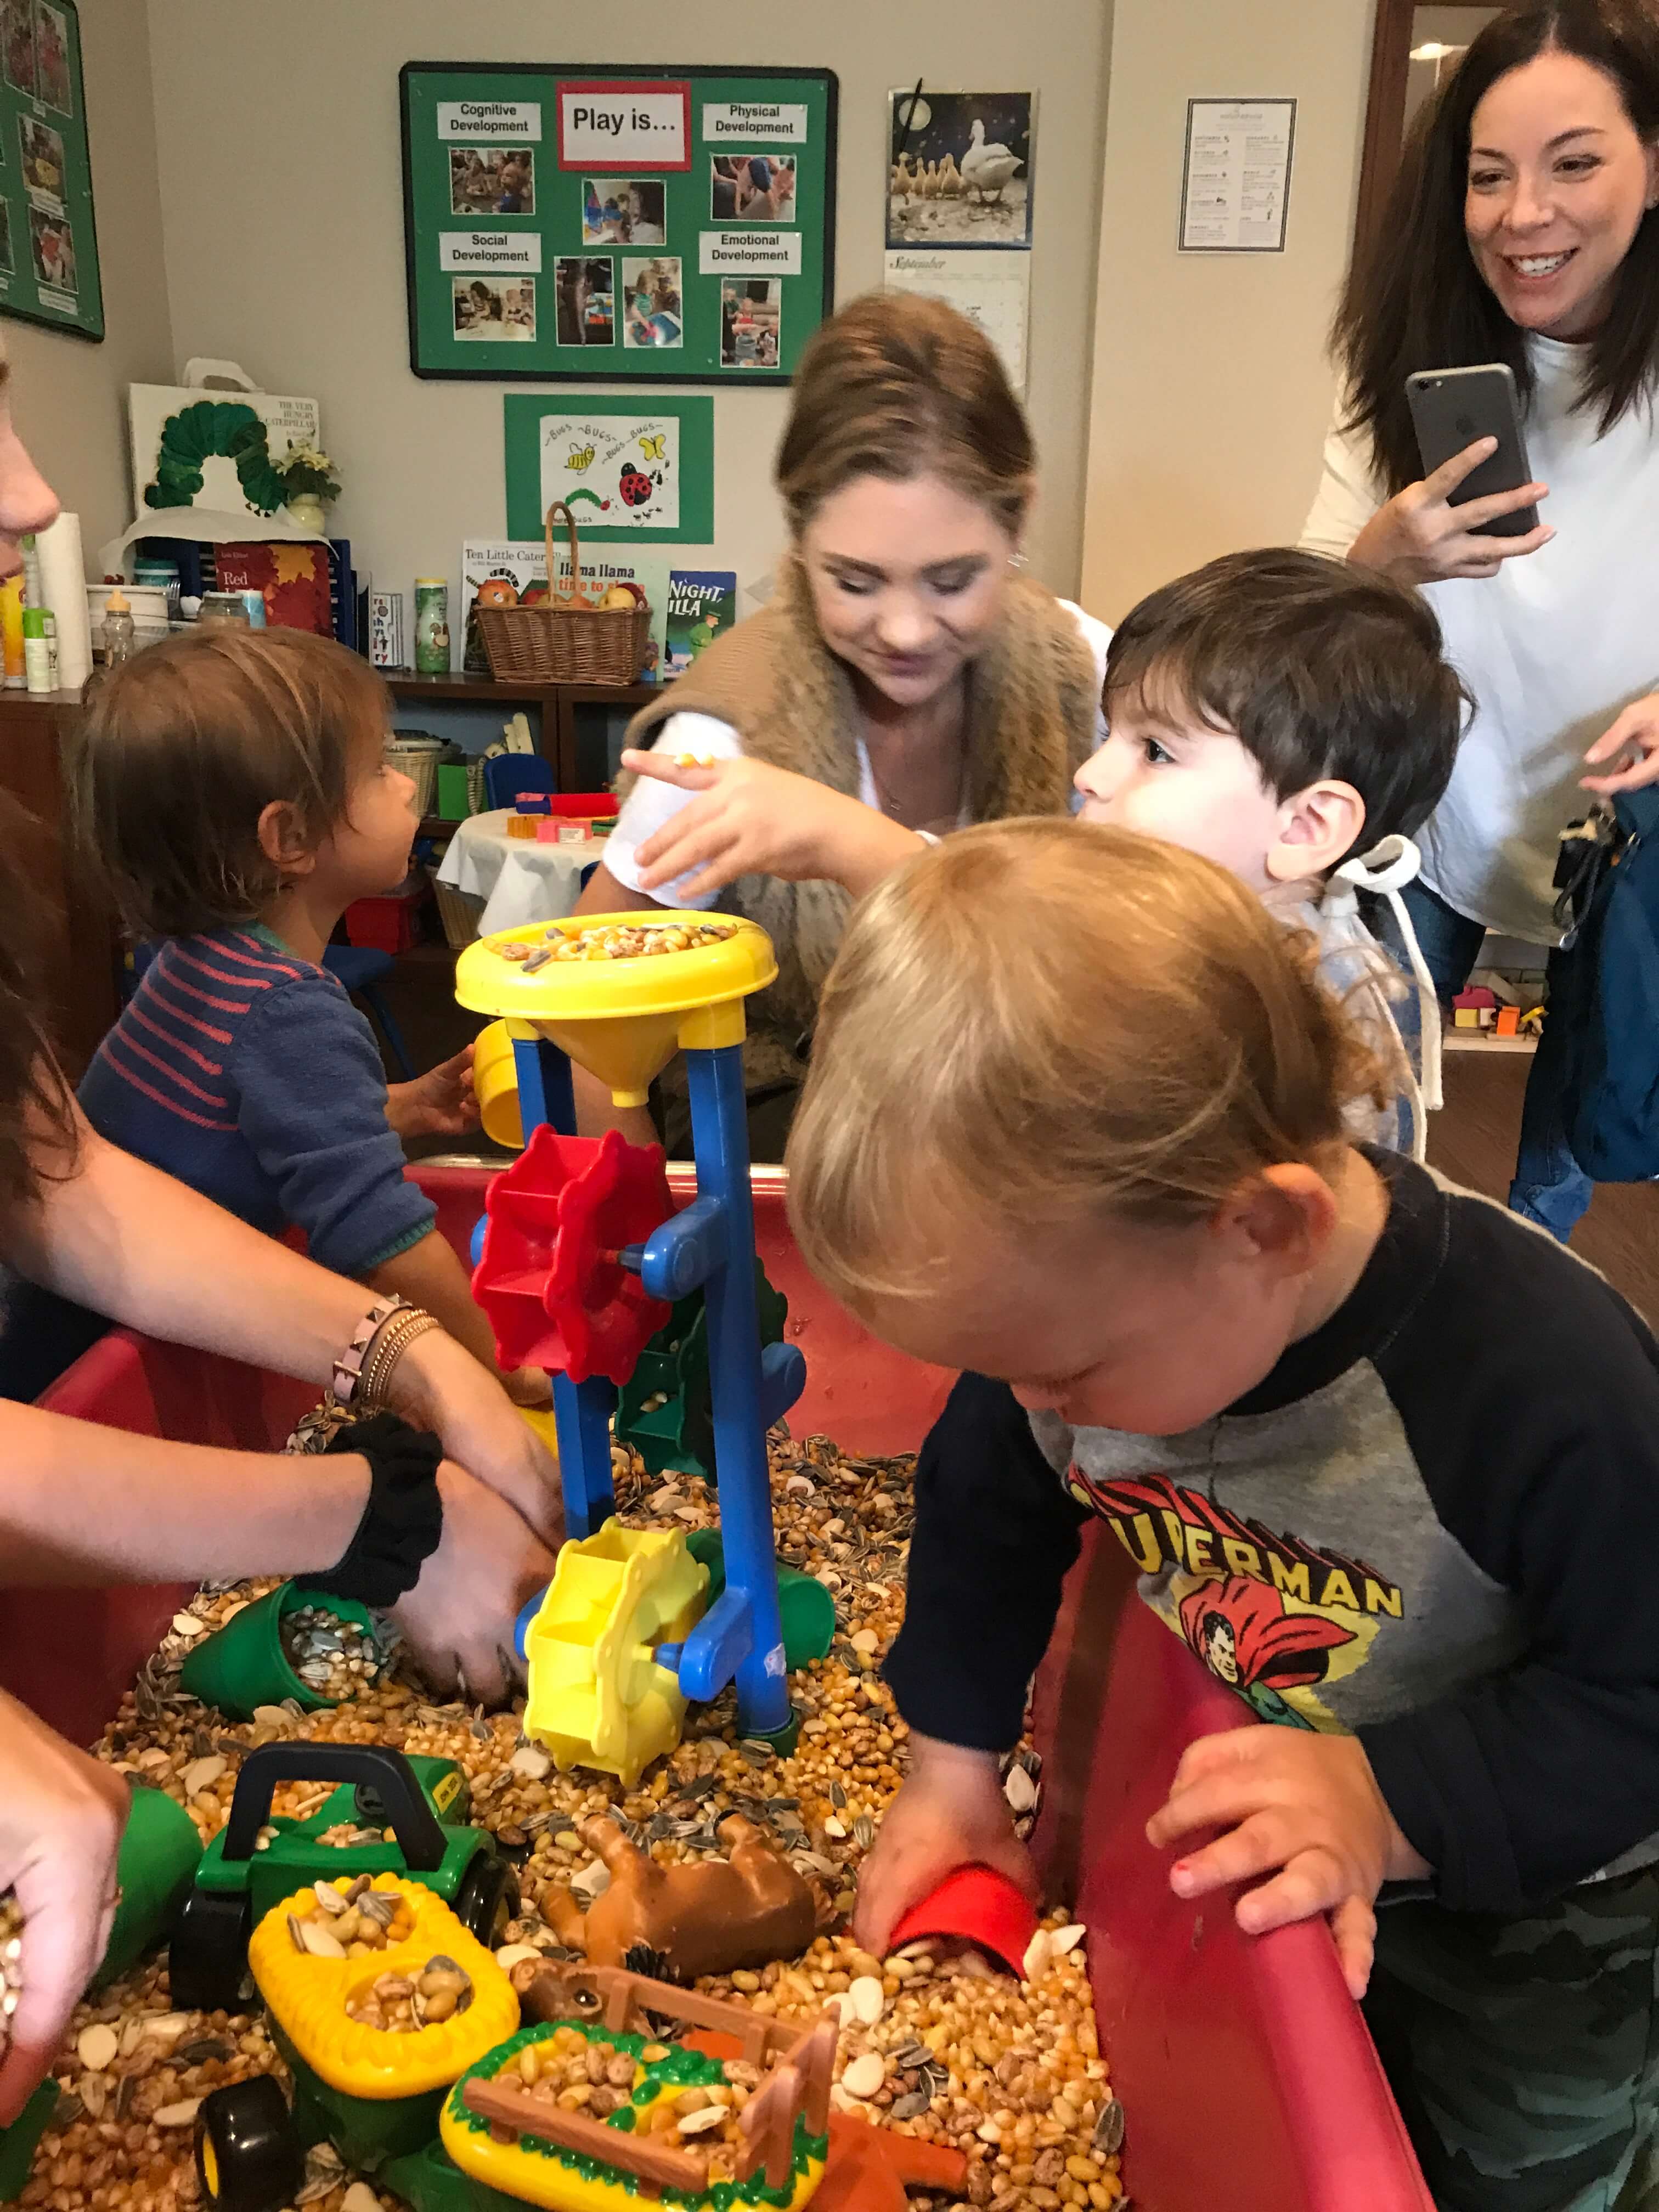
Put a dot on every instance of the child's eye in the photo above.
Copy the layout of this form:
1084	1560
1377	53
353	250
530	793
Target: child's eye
1158	756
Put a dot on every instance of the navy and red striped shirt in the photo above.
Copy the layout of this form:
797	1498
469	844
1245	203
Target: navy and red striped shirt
246	1072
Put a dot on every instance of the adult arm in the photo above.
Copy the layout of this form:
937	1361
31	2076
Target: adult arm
1635	736
118	1237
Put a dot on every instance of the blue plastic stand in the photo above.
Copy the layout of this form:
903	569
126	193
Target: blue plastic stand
710	1243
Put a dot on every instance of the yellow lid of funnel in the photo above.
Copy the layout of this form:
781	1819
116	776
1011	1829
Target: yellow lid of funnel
621	1017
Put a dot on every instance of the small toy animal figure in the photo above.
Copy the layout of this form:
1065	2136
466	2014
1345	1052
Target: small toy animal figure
704	1918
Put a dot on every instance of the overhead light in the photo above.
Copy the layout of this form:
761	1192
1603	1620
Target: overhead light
1432	50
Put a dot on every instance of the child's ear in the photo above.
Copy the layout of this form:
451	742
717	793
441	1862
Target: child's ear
1317	827
282	841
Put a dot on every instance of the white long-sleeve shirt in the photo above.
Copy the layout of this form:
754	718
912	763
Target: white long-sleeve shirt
1552	647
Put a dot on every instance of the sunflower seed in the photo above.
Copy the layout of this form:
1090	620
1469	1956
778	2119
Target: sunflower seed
837	1796
864	1831
1109	2128
906	2108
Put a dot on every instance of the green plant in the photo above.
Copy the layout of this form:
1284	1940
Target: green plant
305	471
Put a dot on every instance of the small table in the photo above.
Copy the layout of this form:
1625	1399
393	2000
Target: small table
519	878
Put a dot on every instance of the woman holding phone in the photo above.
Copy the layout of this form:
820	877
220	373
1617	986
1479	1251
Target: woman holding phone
1523	230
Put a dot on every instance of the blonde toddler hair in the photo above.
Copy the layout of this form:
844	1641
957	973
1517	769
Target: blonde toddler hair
1040	1023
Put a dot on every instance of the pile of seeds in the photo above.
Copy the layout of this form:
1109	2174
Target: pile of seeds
402	2005
1012	2074
349	1919
613	941
11	1965
334	1657
572	2074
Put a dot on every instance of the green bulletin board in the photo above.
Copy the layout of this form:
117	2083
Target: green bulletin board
48	241
602	223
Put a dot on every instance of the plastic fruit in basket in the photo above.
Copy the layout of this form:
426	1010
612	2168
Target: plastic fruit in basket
550	1277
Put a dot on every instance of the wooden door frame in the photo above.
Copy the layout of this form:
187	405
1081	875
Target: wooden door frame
1385	109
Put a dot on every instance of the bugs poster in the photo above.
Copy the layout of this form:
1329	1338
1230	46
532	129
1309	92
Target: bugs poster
625	467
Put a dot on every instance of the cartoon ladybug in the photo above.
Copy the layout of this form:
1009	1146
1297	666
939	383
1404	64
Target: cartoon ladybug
635	487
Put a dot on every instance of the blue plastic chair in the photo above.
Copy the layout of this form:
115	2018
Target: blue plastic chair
361	968
509	774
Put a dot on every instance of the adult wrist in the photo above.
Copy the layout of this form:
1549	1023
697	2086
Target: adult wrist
401	1524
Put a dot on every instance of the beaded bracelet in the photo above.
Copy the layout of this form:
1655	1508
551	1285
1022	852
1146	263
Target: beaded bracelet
388	1348
349	1367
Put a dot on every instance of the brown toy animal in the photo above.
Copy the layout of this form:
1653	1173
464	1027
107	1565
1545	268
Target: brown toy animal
708	1917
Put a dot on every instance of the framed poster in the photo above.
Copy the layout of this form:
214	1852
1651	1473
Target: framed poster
48	238
617	224
642	468
1235	175
960	170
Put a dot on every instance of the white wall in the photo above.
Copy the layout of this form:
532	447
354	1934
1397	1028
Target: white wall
278	140
1212	389
69	396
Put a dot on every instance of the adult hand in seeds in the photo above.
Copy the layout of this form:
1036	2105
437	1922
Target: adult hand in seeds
950	1812
753	819
1302	1808
437	1384
61	1818
461	1611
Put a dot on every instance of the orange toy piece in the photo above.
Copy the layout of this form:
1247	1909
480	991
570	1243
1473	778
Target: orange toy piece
550	1277
869	2169
708	1917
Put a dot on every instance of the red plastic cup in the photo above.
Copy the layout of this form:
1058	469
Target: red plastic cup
975	1905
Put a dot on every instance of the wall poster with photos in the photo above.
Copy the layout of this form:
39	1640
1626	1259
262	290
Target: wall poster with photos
647	225
48	240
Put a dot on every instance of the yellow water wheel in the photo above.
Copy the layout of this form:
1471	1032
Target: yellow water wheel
598	1696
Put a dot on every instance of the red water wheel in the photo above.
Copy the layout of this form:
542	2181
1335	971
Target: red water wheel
550	1277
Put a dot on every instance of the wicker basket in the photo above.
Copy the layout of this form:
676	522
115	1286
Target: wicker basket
459	911
415	755
577	643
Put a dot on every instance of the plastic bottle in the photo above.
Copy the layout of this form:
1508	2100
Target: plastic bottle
36	654
32	595
120	639
50	623
11	629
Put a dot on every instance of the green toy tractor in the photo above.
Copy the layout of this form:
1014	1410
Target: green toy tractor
417	1810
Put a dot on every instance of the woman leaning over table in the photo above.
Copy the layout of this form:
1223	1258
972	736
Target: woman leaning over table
905	680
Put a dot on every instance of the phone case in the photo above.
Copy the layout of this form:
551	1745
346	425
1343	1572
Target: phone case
1453	407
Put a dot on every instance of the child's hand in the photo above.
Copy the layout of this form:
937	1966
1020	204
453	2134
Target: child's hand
440	1104
950	1812
1305	1805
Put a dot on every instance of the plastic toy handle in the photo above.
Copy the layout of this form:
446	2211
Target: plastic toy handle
420	1837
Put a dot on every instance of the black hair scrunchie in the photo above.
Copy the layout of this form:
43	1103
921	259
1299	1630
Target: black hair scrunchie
402	1522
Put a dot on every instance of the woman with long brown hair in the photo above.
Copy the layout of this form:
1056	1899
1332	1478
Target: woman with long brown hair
1522	229
906	678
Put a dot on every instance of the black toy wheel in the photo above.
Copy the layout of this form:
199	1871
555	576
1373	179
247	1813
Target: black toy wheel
206	1958
249	2157
487	1900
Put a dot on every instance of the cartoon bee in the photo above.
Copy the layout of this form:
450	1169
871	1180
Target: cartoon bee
652	447
581	457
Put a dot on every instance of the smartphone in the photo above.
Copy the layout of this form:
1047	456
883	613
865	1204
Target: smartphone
1453	407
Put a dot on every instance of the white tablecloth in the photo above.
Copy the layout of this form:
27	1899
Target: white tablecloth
519	878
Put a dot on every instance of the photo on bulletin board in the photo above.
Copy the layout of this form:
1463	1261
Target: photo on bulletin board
624	212
549	212
492	180
627	467
960	168
48	237
584	286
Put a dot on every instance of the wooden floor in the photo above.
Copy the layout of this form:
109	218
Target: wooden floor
1473	1140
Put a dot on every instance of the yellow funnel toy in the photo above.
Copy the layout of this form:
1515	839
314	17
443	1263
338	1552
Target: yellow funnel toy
622	1018
597	1696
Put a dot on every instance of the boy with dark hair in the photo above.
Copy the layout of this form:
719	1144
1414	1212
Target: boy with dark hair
1284	713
